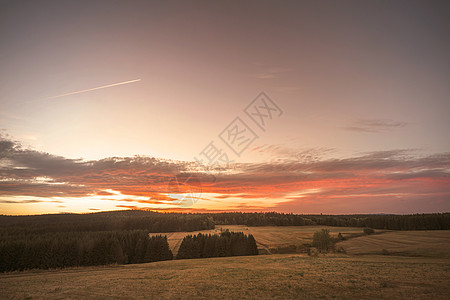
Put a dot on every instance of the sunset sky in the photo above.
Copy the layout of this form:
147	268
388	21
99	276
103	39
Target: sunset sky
292	106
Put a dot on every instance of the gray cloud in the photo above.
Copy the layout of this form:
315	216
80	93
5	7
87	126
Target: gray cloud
374	125
27	172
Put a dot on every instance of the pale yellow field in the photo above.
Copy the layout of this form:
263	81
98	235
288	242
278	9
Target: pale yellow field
435	243
278	276
266	236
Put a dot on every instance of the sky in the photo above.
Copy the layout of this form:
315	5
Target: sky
195	106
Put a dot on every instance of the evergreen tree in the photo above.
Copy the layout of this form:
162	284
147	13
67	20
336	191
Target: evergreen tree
226	244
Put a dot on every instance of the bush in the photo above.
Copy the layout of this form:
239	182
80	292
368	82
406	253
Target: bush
368	230
312	251
341	250
285	249
322	240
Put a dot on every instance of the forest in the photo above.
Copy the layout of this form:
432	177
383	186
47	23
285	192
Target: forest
121	237
105	221
211	245
172	222
66	240
68	249
437	221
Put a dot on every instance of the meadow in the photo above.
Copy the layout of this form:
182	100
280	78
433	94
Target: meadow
267	238
277	276
435	243
361	273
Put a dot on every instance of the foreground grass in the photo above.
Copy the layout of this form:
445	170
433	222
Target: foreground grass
278	276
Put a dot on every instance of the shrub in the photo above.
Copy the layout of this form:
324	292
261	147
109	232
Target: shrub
368	230
322	240
341	250
286	249
385	252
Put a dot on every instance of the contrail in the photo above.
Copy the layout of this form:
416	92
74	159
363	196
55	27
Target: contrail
93	89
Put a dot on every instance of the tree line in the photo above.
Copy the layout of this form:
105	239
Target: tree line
170	222
105	221
68	249
211	245
260	219
436	221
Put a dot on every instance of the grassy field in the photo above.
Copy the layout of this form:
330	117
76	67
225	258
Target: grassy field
418	269
278	276
267	237
434	243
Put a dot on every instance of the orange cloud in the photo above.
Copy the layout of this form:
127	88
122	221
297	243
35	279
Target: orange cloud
387	181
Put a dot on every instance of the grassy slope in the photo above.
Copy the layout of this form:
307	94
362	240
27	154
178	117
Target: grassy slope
277	276
411	243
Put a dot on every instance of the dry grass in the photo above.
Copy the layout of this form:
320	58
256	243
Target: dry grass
266	236
289	276
409	243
